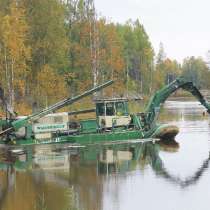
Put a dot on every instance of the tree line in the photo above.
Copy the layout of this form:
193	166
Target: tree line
50	49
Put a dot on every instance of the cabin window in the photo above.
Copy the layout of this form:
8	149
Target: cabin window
110	109
100	109
120	108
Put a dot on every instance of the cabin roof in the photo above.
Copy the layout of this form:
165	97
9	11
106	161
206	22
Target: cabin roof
118	99
105	100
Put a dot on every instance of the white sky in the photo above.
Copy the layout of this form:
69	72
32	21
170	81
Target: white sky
182	25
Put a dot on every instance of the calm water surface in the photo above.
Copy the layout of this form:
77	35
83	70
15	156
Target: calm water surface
129	176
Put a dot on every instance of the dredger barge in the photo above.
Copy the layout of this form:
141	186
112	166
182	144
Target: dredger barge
113	121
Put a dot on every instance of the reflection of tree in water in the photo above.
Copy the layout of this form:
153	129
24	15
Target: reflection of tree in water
31	189
88	185
17	188
3	187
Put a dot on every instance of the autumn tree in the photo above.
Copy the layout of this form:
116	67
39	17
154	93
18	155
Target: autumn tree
166	71
79	53
14	53
51	47
48	39
51	87
95	52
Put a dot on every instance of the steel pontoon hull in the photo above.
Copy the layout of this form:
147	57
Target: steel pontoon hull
160	132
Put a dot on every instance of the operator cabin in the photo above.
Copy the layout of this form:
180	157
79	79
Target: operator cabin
112	112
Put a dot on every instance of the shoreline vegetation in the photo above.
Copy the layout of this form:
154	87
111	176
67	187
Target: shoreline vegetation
52	49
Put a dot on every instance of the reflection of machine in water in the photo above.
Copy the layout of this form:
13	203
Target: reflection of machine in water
80	170
170	145
62	168
109	158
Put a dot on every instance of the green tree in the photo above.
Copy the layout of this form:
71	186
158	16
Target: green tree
138	54
161	56
196	70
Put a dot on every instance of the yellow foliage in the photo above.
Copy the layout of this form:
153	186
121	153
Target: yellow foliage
51	85
14	53
22	108
14	31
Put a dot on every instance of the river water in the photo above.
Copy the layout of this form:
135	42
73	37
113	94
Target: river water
130	176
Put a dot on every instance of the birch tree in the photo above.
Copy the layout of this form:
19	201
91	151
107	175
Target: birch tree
14	52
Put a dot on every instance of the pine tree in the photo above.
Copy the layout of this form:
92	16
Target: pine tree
161	56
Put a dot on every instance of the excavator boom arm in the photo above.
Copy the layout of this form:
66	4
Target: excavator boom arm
153	107
17	124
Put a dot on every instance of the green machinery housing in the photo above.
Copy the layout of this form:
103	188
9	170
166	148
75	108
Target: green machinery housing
113	121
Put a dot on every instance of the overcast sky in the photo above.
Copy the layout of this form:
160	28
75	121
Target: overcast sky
183	26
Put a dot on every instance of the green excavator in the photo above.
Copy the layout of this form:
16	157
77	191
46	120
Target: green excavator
113	121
